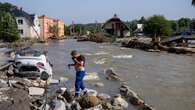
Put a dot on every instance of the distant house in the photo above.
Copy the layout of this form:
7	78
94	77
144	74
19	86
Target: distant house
139	30
116	27
46	23
28	24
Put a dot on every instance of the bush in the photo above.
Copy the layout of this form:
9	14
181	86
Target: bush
8	27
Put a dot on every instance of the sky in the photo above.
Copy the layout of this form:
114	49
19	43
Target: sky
88	11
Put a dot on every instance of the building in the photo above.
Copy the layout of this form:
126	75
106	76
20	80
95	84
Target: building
46	23
28	24
116	27
139	30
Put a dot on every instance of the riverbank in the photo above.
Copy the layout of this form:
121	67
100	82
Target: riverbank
147	44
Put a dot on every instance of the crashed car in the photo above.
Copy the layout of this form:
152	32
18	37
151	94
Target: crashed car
32	63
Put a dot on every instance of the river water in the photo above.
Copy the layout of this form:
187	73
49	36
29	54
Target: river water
165	81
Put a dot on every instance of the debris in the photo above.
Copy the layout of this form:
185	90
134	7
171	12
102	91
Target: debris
36	91
54	81
57	105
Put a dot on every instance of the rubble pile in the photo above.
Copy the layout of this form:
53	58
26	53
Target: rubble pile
35	94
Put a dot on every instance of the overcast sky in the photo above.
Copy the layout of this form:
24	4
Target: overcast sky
87	11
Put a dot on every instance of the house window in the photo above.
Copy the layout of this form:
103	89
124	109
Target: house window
20	21
21	31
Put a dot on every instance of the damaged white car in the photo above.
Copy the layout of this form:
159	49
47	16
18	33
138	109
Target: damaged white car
32	63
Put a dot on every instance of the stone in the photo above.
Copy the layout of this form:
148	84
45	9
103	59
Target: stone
131	95
35	83
112	75
36	91
89	101
98	107
3	84
58	105
92	92
107	106
68	95
103	96
119	102
145	107
99	84
75	106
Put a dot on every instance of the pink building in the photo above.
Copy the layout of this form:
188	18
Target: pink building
46	23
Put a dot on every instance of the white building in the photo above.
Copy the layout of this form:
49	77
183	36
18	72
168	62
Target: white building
28	24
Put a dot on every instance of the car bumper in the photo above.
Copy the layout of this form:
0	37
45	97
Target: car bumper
29	74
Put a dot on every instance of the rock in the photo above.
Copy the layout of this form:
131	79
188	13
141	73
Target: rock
99	84
111	75
145	107
119	102
36	91
68	95
91	76
35	83
131	95
92	92
75	106
36	102
107	106
89	101
98	107
104	97
3	84
58	105
10	71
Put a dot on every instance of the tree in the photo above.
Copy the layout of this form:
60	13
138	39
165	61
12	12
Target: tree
174	26
193	2
142	20
184	23
54	30
157	26
8	27
6	7
133	26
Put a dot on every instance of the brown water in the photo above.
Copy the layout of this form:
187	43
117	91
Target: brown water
166	81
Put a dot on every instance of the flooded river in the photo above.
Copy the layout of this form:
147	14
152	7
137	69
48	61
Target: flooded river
166	81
